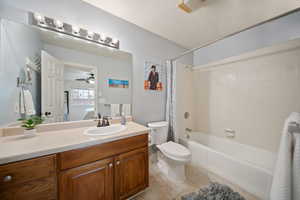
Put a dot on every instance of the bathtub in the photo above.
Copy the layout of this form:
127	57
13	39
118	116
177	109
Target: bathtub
248	167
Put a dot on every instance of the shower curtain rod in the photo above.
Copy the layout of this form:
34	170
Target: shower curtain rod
232	34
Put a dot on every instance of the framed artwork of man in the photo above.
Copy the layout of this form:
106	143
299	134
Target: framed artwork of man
152	79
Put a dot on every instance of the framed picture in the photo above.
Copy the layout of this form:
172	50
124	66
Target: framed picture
114	83
153	76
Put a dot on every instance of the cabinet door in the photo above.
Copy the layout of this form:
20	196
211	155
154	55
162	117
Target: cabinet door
92	181
131	173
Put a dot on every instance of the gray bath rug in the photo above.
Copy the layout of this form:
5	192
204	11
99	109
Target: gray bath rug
214	191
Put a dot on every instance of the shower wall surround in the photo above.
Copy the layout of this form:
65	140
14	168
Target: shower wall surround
252	94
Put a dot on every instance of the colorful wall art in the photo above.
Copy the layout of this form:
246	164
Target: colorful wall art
114	83
153	76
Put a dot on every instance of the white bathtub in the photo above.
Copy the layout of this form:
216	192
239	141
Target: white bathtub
248	167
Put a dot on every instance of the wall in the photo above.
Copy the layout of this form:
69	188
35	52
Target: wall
274	32
252	93
17	43
144	46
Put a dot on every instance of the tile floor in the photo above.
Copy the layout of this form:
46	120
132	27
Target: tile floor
162	188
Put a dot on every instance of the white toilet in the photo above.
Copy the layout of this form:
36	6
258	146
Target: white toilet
172	156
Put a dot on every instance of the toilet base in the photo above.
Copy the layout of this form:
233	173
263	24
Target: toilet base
174	170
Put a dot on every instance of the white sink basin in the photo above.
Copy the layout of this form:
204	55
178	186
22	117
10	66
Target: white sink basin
107	130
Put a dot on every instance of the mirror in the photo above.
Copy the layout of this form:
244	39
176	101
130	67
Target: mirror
59	77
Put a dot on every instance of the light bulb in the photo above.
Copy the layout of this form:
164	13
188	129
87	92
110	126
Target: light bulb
103	37
90	34
115	41
39	18
59	24
75	30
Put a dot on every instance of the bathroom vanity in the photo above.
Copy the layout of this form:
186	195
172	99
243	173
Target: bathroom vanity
108	167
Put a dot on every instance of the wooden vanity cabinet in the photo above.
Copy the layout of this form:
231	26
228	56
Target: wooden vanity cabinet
111	171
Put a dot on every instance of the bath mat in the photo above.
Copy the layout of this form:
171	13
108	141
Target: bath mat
214	191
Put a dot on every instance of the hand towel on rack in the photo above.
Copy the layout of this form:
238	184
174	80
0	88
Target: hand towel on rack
29	105
20	106
282	184
24	104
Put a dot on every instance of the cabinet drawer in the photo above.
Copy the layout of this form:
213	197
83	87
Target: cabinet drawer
42	189
78	157
25	171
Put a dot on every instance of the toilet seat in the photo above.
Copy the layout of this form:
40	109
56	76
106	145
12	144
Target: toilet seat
175	151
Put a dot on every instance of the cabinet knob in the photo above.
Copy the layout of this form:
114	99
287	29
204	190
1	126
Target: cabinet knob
110	165
118	162
7	178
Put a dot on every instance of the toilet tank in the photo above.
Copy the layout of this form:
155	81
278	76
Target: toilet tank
158	132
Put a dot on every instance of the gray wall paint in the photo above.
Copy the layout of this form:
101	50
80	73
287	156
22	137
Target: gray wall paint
280	30
17	43
142	44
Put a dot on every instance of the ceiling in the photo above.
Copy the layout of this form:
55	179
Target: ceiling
216	19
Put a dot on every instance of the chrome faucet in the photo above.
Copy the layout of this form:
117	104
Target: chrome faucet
105	121
102	122
98	119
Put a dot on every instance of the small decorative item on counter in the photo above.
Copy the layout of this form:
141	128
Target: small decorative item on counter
30	123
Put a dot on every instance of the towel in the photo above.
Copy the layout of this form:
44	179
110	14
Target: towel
286	178
25	104
30	110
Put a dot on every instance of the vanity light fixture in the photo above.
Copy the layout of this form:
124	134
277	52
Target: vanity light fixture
102	37
47	23
40	19
75	30
115	41
90	34
59	25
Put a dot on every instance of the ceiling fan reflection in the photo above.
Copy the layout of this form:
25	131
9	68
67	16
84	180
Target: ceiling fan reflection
89	80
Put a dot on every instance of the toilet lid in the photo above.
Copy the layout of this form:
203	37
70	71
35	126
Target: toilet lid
175	150
158	124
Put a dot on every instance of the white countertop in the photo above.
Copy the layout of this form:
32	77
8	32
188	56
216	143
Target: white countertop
16	148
